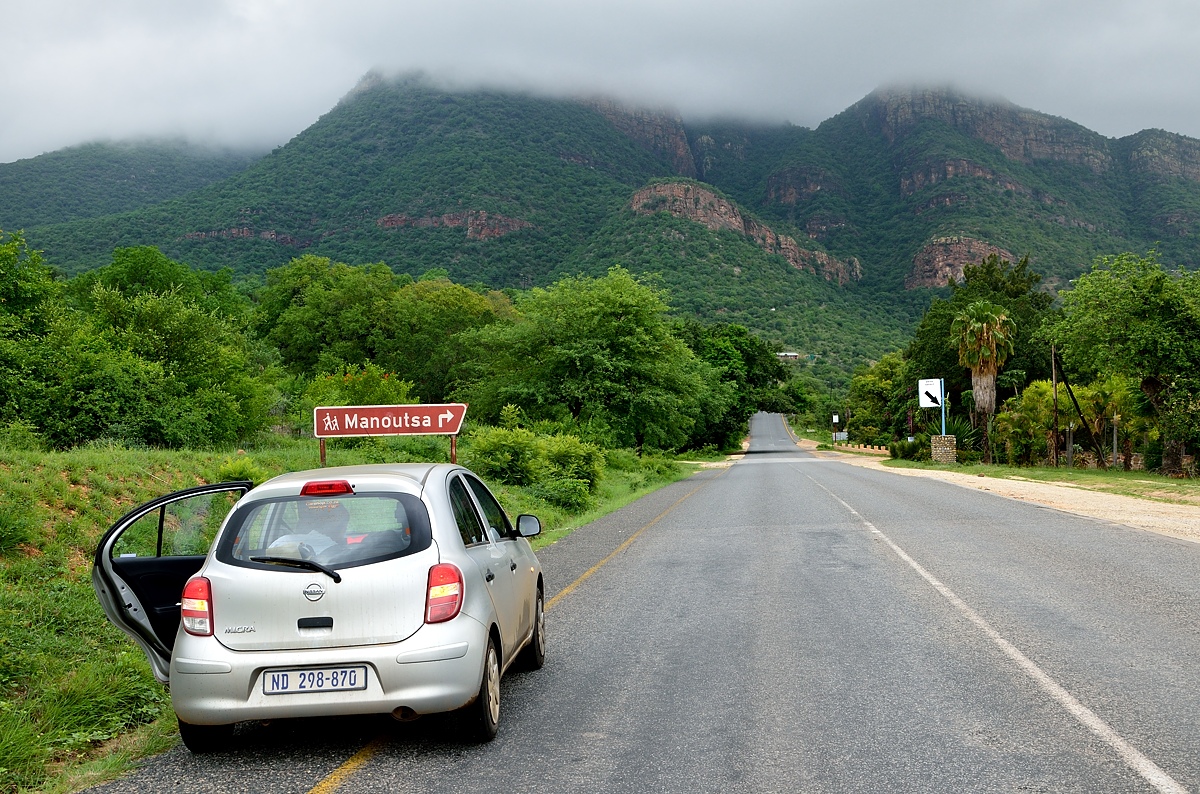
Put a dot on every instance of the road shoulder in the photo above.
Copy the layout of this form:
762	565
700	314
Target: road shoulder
1178	521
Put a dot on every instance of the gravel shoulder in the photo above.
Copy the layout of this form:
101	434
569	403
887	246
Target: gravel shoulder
1179	521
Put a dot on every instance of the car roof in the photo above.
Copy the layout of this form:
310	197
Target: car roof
410	477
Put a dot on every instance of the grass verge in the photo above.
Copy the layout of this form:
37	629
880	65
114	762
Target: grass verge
78	705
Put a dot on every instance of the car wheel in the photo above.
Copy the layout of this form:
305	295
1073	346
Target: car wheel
205	738
484	714
534	655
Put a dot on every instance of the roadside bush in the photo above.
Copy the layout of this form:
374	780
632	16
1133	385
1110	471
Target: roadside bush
510	455
622	459
21	436
569	493
909	450
572	459
241	468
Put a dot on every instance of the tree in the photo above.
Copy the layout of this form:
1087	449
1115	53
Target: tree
417	332
983	334
146	270
26	285
871	402
593	351
747	367
1130	316
1014	287
324	315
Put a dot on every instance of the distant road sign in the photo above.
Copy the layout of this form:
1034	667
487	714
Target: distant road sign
345	421
929	393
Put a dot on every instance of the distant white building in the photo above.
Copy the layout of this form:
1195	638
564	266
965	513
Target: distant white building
788	356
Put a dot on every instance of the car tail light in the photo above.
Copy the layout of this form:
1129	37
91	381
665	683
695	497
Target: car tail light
196	607
326	488
444	598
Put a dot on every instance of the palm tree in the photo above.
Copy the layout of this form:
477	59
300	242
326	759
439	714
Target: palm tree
984	335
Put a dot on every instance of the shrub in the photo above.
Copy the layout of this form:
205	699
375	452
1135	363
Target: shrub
569	493
21	436
905	449
572	459
510	455
241	468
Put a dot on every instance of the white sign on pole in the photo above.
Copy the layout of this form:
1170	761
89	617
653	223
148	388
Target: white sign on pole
929	393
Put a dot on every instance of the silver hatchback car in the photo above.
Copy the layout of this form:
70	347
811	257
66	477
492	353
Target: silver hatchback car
399	589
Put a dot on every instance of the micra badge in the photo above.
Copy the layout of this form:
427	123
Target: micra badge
314	592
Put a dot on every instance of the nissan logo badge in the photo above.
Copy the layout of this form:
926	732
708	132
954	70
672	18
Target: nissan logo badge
314	592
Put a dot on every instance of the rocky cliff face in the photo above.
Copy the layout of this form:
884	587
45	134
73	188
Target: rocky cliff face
797	184
703	206
1022	135
480	225
248	233
1164	155
943	259
659	132
935	172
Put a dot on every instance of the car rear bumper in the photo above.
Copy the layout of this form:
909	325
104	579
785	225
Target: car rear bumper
437	669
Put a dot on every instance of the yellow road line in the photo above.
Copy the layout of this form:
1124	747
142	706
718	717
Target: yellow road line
569	588
337	777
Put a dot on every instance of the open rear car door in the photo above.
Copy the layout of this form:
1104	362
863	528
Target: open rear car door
144	560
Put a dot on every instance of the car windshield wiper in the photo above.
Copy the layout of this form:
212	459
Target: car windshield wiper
298	563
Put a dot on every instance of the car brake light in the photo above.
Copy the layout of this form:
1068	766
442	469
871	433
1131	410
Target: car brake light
326	488
196	607
444	598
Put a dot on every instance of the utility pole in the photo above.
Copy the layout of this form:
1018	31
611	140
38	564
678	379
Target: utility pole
1054	385
1116	418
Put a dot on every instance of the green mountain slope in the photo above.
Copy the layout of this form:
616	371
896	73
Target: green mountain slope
723	276
843	230
490	186
98	179
917	183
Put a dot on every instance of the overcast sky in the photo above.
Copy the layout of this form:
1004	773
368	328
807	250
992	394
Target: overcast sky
257	72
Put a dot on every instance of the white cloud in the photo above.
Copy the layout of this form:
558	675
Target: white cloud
257	72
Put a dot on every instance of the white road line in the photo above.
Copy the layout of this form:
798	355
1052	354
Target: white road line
1133	758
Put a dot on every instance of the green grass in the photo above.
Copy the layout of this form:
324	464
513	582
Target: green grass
78	704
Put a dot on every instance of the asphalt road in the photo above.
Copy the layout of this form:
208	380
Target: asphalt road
794	624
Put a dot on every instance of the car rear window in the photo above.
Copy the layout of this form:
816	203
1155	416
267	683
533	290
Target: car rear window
338	532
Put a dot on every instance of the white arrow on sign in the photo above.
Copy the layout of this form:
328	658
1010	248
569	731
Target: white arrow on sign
444	418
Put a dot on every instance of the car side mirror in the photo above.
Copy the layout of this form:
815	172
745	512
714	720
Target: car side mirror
528	525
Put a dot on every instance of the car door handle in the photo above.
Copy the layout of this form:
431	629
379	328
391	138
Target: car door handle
490	576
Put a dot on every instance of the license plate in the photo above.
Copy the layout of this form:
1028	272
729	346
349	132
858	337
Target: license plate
324	679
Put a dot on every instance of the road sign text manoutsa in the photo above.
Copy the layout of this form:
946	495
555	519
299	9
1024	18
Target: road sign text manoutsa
388	420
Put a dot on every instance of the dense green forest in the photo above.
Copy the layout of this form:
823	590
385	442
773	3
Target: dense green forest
97	179
516	191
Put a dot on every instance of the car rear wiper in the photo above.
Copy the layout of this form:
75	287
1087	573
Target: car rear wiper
298	563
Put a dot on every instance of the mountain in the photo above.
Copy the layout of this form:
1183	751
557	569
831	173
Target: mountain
916	183
828	240
99	179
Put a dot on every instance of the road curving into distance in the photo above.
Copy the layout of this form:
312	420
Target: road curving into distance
792	623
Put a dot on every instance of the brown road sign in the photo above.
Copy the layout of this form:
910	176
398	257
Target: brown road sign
345	421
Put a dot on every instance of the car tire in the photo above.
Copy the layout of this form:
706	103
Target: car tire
483	716
205	738
534	654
